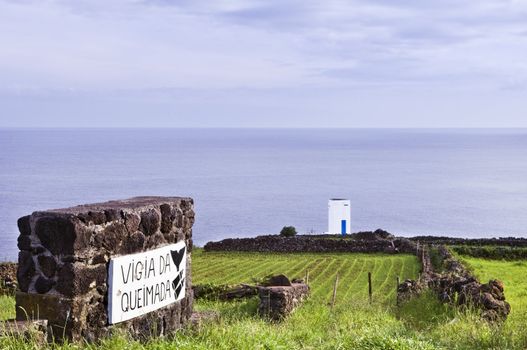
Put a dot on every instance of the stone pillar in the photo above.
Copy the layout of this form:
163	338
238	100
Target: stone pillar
64	257
280	297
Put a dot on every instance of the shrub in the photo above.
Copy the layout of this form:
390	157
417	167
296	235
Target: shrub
492	252
288	231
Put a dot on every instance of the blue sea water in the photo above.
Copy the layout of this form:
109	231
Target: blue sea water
245	182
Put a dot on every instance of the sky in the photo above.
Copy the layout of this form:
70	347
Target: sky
194	63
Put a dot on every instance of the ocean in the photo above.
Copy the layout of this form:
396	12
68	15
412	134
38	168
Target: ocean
247	182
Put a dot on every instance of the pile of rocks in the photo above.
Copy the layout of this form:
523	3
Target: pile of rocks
280	297
488	297
459	282
409	289
312	244
457	286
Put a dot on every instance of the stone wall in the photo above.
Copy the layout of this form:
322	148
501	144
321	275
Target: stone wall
280	297
456	285
64	257
501	241
317	244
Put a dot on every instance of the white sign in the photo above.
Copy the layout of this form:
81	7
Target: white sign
144	282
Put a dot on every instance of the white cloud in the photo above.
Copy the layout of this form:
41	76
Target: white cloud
115	44
110	47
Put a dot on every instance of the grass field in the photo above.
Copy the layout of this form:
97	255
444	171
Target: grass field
352	324
514	275
7	305
232	268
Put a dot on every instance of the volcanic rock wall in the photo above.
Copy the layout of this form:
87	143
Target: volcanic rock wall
457	286
280	297
296	244
64	256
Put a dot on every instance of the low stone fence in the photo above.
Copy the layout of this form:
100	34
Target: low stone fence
502	241
454	284
281	297
299	244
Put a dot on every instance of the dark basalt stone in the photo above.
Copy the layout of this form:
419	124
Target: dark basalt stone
38	250
179	221
102	289
43	285
150	221
278	280
277	302
67	259
131	221
312	244
57	234
97	318
48	265
99	259
26	270
92	218
186	204
134	243
97	217
23	225
111	237
112	215
24	242
453	283
171	237
155	240
65	282
77	279
168	214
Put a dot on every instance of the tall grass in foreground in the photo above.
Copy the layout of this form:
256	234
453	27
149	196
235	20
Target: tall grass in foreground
7	307
352	324
233	268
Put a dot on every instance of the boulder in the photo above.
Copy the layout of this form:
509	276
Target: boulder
277	302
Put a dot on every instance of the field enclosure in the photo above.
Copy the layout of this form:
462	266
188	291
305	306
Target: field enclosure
234	268
352	324
513	274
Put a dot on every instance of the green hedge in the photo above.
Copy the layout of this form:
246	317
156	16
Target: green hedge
491	252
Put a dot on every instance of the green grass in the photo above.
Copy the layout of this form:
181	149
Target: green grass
492	252
352	324
7	307
514	276
232	268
